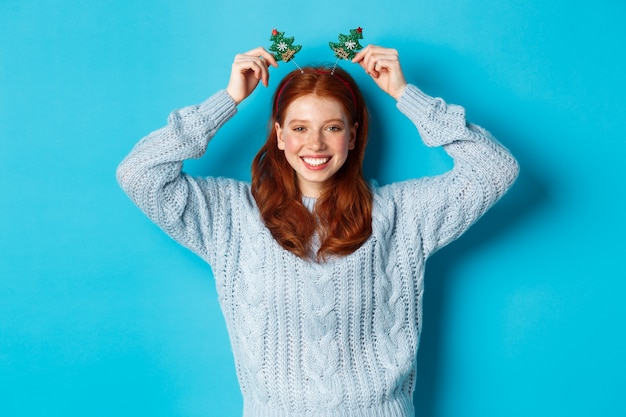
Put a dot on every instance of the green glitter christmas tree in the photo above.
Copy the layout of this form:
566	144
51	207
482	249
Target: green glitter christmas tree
282	47
348	45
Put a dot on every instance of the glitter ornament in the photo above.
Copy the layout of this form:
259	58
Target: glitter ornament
282	47
348	45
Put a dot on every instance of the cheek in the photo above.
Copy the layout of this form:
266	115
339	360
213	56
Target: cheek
290	145
344	146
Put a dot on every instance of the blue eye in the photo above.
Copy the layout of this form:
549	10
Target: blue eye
298	129
334	128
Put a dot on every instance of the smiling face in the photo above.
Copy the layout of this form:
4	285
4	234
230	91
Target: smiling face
316	137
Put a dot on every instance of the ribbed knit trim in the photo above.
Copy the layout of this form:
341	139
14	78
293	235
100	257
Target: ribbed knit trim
309	202
400	407
220	107
413	101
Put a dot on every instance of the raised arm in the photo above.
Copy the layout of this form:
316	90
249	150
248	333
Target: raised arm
483	171
191	210
442	207
151	173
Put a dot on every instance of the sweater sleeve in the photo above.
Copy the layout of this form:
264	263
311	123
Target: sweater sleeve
445	206
191	210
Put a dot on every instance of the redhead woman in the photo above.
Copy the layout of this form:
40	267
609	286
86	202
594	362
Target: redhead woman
319	272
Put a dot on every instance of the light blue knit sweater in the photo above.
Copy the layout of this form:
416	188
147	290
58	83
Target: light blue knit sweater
334	339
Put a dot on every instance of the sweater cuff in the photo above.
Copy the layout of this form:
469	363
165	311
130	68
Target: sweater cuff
218	108
413	102
438	123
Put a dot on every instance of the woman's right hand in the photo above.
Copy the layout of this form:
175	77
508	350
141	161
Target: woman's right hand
247	70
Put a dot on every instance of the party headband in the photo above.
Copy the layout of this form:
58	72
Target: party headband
284	50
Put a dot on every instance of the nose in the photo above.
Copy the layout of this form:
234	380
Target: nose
316	141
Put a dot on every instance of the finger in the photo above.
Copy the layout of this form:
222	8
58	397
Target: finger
370	50
360	55
244	66
375	62
263	59
388	63
364	59
261	52
371	56
257	65
263	73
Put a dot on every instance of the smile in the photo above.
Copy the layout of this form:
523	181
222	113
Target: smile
315	162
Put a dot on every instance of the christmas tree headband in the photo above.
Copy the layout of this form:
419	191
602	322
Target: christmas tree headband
284	50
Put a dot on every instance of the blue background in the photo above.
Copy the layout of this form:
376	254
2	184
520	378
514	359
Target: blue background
101	314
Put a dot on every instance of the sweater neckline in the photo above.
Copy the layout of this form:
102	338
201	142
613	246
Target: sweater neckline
309	202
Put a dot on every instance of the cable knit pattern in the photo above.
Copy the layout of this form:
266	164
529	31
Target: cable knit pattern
321	353
332	339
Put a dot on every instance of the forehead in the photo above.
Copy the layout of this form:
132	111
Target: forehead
312	106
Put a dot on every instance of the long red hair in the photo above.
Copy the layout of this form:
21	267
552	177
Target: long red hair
343	213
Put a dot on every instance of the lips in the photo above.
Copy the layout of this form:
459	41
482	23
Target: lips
315	162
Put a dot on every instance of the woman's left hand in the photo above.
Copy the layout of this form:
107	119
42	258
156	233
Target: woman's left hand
383	65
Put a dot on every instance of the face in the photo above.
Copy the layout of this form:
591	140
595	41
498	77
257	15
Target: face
316	137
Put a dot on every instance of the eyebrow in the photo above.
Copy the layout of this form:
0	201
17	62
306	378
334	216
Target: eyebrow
308	121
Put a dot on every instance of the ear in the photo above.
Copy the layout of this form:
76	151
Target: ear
279	136
352	141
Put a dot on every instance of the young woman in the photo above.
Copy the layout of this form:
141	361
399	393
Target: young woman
319	273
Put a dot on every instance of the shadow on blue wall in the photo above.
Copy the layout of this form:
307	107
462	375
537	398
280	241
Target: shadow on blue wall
530	192
527	195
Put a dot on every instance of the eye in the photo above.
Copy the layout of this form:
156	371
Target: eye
334	128
299	129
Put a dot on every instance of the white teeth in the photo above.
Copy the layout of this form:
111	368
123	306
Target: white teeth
315	161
